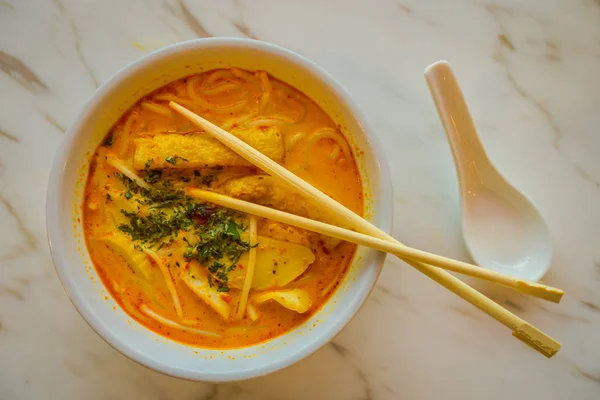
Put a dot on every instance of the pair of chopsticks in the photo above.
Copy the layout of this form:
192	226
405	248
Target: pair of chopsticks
369	235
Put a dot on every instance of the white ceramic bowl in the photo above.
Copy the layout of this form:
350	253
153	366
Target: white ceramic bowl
69	172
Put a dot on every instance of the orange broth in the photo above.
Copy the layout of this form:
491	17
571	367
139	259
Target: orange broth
232	99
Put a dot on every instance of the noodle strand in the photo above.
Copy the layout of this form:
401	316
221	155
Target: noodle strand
168	278
157	108
123	142
327	133
165	321
118	164
250	270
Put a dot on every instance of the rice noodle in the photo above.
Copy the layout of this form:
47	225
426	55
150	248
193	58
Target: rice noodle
100	178
199	100
252	311
339	269
220	74
289	144
168	278
237	106
243	75
157	108
269	121
250	269
326	133
290	99
176	99
123	138
118	164
236	122
335	152
266	91
191	86
220	89
166	250
99	174
170	323
306	277
326	291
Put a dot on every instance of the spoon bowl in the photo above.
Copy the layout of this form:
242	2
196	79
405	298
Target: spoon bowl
504	232
502	228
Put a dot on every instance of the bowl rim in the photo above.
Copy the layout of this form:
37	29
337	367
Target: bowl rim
56	177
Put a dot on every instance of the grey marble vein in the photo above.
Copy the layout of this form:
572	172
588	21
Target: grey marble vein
212	394
563	315
188	18
7	5
244	30
345	353
6	135
341	350
591	306
505	41
48	117
6	290
464	312
20	72
498	13
410	13
77	40
588	375
389	293
365	380
513	305
30	238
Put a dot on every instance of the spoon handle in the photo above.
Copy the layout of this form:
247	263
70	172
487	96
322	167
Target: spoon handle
472	163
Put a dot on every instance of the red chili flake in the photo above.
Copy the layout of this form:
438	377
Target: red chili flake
199	219
240	266
226	297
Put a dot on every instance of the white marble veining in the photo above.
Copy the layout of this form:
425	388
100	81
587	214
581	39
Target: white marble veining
529	71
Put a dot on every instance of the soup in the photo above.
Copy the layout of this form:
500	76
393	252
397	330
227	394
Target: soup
198	273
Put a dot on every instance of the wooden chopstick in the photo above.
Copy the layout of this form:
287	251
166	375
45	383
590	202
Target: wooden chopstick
396	248
522	330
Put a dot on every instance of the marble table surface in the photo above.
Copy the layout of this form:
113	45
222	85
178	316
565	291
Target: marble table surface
530	72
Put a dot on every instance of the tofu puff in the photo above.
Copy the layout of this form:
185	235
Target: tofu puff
200	274
197	149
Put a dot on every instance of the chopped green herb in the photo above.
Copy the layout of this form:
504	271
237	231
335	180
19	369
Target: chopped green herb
173	159
232	230
207	179
153	176
148	164
108	197
210	281
108	141
216	241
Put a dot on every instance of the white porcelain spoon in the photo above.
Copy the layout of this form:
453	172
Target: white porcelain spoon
503	230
